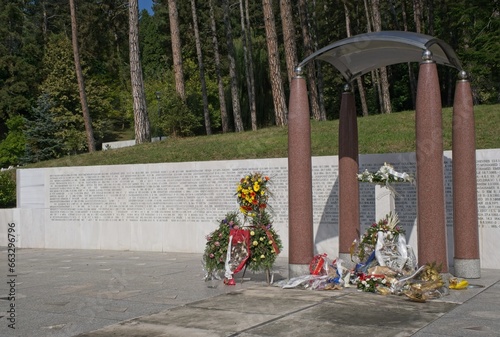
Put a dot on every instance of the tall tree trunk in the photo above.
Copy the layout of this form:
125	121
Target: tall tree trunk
377	26
248	67
417	15
430	11
220	84
81	84
319	71
45	22
373	73
361	88
311	69
238	123
280	109
206	112
289	38
176	49
142	128
411	74
250	56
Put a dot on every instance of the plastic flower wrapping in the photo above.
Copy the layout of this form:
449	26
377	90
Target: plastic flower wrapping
389	238
384	264
254	245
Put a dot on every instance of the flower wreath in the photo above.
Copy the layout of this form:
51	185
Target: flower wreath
253	193
265	244
214	257
368	241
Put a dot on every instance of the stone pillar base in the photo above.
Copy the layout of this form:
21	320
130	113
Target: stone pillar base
295	270
467	268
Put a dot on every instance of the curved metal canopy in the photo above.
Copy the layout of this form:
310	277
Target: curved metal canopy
357	55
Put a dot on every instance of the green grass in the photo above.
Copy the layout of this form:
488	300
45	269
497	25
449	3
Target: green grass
377	134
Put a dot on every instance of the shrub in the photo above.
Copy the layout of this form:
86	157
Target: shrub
7	189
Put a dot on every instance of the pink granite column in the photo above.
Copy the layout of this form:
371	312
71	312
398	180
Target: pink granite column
431	219
348	170
465	225
300	214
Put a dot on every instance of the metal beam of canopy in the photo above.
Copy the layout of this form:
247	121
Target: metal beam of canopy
358	55
354	57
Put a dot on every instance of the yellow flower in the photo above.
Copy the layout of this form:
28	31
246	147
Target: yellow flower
256	187
261	238
262	256
255	243
270	242
252	233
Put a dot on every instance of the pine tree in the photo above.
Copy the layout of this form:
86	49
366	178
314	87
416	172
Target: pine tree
42	141
141	121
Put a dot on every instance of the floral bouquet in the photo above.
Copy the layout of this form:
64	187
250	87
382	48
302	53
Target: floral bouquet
385	176
373	283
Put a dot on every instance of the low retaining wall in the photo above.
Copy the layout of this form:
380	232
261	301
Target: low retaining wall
171	207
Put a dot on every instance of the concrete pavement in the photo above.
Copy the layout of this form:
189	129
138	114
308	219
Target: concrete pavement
121	293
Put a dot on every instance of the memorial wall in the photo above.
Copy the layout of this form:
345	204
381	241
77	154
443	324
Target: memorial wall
173	206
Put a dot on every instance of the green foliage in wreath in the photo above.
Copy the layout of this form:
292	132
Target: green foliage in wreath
214	257
265	245
369	239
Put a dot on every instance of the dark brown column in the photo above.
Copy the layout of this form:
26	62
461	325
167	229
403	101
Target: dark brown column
300	222
465	225
348	170
431	219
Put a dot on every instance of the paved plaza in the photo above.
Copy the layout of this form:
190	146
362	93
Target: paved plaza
94	293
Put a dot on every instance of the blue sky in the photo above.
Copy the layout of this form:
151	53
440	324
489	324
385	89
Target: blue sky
145	4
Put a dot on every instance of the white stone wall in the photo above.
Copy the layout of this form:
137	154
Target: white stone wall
173	206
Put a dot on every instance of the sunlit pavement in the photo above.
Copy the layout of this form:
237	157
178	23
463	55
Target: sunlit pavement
122	293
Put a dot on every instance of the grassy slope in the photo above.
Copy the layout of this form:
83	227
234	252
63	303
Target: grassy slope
377	134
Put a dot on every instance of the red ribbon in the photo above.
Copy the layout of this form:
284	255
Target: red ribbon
271	238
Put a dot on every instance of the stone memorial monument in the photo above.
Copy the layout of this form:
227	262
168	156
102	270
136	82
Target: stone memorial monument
354	57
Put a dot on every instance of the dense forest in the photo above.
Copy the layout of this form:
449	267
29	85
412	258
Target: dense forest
77	73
